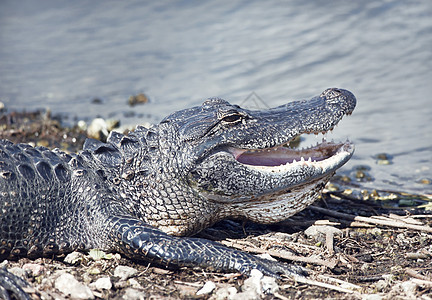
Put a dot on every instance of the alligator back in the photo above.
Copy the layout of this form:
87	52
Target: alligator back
39	206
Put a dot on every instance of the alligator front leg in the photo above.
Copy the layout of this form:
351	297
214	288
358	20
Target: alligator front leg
143	242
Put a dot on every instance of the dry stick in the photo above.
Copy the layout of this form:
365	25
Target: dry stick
279	296
406	219
321	284
291	222
329	242
329	264
329	279
422	283
390	223
415	274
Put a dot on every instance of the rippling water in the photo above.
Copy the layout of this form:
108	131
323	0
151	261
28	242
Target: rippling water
63	54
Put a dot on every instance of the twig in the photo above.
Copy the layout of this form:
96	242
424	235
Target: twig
422	283
193	284
415	274
316	261
338	281
359	224
421	216
387	222
279	296
293	222
320	284
329	242
406	219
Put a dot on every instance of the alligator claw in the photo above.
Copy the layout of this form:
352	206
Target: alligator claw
272	268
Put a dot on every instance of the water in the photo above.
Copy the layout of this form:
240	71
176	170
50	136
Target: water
62	54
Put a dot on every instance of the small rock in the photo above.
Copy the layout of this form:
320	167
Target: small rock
409	287
161	271
248	294
96	101
373	297
125	272
207	288
85	278
82	125
35	269
319	232
282	236
103	283
74	258
224	293
133	294
97	254
380	285
4	264
98	129
269	285
134	283
424	181
42	143
138	99
112	123
93	271
251	288
18	272
256	286
68	285
186	291
383	159
119	284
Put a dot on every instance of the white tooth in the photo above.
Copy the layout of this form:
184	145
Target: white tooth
294	161
302	159
309	159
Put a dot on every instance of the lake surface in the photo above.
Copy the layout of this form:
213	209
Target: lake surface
63	54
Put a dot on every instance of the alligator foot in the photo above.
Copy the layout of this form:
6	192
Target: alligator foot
147	243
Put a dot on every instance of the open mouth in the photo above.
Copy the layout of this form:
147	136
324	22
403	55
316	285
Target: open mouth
284	156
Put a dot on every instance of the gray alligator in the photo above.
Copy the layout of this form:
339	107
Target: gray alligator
138	194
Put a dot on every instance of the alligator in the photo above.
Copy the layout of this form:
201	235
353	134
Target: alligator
144	194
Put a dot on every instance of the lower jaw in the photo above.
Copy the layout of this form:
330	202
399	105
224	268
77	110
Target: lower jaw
277	207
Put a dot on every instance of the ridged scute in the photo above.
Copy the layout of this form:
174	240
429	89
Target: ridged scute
129	146
28	163
44	170
26	171
105	154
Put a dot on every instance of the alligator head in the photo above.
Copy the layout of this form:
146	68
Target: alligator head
238	161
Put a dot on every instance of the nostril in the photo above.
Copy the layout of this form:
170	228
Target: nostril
331	93
345	99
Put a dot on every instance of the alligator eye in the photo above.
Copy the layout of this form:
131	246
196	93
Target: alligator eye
232	118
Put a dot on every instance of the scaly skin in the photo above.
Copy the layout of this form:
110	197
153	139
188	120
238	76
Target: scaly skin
138	194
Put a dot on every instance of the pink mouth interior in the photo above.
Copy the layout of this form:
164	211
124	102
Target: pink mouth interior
282	155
